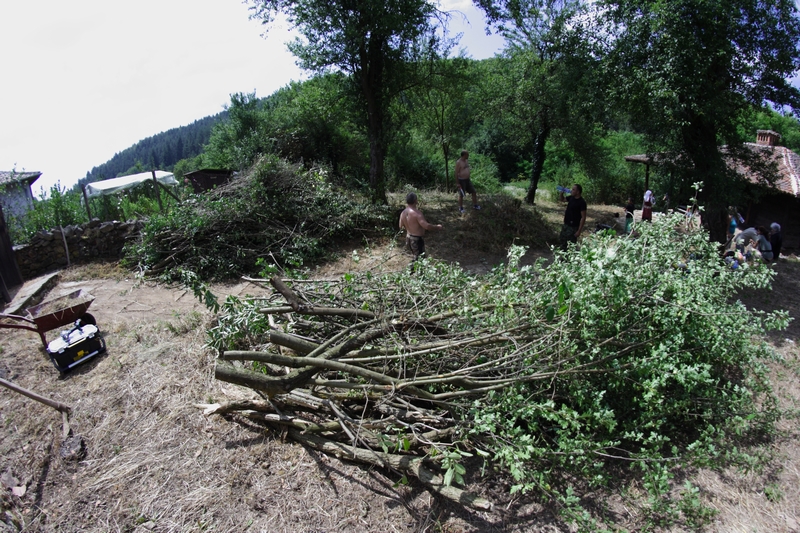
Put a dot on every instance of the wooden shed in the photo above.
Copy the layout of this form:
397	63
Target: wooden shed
207	178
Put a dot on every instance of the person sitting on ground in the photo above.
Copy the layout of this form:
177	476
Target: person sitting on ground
763	244
463	183
744	237
415	225
776	239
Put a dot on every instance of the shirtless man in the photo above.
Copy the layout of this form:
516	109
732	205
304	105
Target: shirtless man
415	225
463	183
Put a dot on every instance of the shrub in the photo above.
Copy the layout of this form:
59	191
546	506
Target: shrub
62	208
659	364
276	213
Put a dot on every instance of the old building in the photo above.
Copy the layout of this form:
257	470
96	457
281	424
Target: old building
776	197
772	182
15	191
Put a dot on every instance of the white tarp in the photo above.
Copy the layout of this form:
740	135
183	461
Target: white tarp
115	185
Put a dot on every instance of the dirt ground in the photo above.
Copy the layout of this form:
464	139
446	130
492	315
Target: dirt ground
154	462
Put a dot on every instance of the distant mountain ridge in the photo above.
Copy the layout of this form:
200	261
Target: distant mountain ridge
160	151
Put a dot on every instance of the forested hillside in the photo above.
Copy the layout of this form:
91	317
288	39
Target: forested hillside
160	151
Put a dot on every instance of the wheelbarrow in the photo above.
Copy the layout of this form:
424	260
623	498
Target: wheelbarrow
52	314
72	347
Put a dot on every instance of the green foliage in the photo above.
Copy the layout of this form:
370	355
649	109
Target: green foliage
275	214
241	324
677	364
484	174
61	208
139	202
543	85
768	119
238	141
453	469
621	179
317	122
687	71
381	44
64	208
413	161
440	112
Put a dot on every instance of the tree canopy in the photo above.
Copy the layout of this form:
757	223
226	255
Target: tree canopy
374	41
686	71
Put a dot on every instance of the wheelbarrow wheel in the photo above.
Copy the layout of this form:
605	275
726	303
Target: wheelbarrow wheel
87	318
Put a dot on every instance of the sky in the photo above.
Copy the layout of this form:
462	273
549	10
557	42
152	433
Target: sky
85	79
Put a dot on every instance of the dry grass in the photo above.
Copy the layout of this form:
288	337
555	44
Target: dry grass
155	463
100	270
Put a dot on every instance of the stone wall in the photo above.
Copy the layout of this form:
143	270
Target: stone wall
50	250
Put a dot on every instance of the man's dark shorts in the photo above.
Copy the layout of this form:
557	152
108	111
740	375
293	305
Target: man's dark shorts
567	236
416	245
466	186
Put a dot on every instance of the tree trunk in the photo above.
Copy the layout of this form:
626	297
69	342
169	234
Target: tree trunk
538	161
700	142
446	154
371	75
376	179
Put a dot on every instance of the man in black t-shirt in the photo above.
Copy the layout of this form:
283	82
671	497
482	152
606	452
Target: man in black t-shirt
574	217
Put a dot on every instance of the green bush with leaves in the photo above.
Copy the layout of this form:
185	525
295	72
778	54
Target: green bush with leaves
276	213
61	208
650	361
617	363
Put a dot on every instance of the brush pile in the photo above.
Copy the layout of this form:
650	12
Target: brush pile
617	354
276	211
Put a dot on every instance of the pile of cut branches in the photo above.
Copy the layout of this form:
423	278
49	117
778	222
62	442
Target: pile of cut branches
619	354
275	212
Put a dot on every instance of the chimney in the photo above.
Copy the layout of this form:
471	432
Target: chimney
767	138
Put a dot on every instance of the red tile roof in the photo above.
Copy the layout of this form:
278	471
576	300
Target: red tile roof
787	163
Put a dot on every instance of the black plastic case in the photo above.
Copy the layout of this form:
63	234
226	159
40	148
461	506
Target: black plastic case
75	346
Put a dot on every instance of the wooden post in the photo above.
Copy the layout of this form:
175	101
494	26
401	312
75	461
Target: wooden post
86	201
166	190
158	192
9	270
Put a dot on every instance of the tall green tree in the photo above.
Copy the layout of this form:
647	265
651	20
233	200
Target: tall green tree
544	84
441	108
687	70
316	121
236	142
372	40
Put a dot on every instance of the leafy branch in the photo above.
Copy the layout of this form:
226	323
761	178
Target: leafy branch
615	355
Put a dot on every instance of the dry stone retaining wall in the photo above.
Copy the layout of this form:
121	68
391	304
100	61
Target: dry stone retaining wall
55	249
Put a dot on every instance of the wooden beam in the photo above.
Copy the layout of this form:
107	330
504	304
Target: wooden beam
158	194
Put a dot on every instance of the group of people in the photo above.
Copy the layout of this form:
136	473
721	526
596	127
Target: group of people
412	220
767	243
647	209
